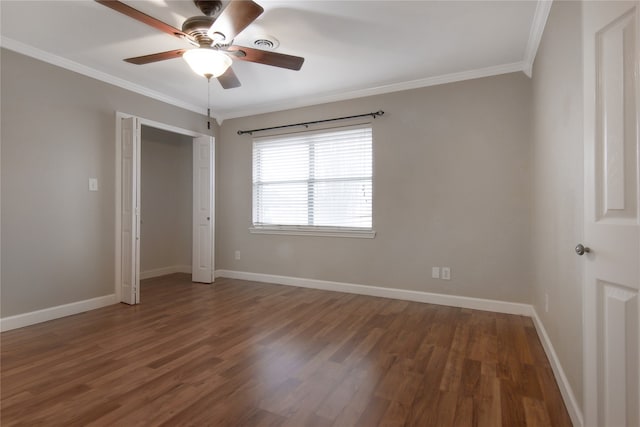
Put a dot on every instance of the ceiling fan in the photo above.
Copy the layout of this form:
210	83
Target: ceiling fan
213	35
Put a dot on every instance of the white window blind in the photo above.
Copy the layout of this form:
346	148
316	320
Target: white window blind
314	179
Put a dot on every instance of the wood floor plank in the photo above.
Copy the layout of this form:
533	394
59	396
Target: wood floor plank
535	412
395	415
241	353
465	415
556	409
511	404
373	413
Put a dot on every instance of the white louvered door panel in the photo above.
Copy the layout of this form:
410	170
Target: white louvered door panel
203	210
130	220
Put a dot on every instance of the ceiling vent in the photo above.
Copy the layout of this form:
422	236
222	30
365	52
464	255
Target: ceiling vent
266	42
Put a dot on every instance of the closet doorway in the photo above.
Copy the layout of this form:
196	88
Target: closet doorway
173	238
166	202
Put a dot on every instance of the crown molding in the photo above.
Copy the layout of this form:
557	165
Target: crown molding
541	14
379	90
67	64
535	34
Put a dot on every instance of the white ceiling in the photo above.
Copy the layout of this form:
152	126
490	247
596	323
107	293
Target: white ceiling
351	48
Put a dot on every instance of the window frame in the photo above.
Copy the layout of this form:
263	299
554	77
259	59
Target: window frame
314	230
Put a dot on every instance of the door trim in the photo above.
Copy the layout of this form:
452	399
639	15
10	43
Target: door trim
118	182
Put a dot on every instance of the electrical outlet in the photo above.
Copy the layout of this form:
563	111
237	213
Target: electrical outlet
546	302
237	255
93	184
435	272
446	273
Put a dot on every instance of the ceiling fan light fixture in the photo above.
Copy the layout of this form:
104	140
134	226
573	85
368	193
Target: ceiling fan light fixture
207	62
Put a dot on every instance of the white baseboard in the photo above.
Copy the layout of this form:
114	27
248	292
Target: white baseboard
157	272
31	318
563	383
401	294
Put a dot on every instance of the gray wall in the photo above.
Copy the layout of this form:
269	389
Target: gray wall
451	188
58	129
557	166
165	199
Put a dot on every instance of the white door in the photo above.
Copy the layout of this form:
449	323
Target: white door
130	222
203	209
612	217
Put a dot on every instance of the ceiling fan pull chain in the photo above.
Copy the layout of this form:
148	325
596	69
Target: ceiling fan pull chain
208	102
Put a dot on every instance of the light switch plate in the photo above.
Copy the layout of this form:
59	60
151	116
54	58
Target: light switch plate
446	273
93	184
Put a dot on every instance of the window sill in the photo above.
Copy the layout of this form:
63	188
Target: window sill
318	232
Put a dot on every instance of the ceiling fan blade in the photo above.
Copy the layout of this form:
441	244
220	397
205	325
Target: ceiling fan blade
233	19
142	17
264	57
155	57
229	80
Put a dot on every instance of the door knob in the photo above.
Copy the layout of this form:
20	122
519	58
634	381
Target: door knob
581	250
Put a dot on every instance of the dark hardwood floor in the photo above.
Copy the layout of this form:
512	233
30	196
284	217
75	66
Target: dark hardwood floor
247	354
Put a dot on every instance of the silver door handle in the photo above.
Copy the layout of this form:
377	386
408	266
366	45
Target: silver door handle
581	250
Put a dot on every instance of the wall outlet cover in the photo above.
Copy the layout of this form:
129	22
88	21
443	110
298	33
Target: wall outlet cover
93	184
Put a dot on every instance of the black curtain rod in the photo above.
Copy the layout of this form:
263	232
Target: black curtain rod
306	124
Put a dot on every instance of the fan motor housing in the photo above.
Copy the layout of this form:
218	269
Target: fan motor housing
197	27
208	7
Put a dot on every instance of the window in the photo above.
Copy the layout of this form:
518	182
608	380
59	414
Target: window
314	181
